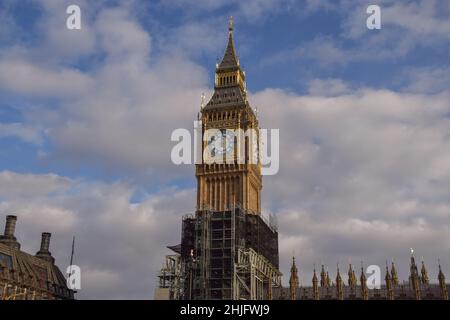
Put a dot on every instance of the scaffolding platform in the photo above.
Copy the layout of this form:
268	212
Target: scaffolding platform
231	254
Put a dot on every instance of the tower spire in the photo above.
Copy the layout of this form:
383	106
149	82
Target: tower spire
414	276
328	280
293	281
364	289
442	284
230	61
323	277
388	279
394	275
351	276
339	285
424	272
315	283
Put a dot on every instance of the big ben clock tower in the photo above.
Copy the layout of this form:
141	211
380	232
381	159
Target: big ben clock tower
232	173
228	249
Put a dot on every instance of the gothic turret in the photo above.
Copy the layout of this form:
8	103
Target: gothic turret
328	280
425	279
315	283
293	281
414	278
389	289
394	274
323	278
442	284
339	286
364	289
351	277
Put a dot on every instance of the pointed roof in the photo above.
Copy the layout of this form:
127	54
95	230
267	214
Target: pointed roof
338	276
351	276
388	274
394	274
314	278
230	95
293	267
363	276
441	275
294	277
230	59
424	273
413	266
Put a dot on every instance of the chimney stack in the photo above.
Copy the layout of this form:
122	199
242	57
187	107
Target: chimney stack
8	237
45	241
10	226
44	252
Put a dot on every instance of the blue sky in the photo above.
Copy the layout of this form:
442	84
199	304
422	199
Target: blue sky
86	117
267	43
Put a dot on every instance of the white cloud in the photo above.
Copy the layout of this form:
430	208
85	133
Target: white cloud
119	115
362	176
426	79
18	186
119	244
30	79
406	26
327	87
21	131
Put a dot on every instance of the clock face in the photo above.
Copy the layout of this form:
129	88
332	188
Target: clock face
221	143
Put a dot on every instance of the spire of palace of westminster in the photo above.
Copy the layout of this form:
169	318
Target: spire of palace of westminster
364	289
339	285
442	284
389	289
420	286
394	274
352	282
323	278
328	280
414	277
293	281
315	283
425	279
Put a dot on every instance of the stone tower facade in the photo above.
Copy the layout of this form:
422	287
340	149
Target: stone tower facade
230	172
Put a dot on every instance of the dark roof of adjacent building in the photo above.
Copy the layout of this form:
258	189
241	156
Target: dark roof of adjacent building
37	272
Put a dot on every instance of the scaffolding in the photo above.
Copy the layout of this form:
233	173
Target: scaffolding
170	276
254	276
230	254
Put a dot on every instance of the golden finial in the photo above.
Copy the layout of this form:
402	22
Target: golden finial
230	24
